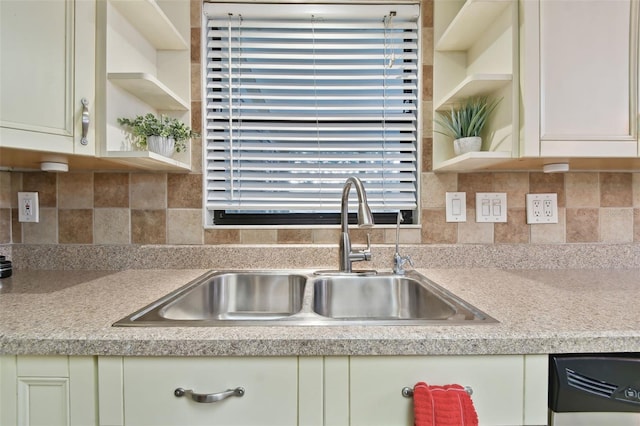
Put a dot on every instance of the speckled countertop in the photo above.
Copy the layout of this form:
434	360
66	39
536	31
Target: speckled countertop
539	311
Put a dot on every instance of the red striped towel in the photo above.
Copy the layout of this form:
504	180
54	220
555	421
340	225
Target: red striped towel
448	405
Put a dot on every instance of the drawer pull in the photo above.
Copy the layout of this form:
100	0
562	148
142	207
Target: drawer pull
209	397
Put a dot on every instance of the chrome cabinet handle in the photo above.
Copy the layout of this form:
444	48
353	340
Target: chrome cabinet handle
209	397
85	121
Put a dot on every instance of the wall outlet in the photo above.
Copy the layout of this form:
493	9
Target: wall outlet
456	207
28	208
542	208
491	207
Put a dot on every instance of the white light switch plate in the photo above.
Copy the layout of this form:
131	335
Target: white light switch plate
491	207
456	207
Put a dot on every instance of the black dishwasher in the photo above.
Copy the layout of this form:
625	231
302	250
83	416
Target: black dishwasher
594	389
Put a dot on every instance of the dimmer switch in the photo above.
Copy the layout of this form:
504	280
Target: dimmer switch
491	207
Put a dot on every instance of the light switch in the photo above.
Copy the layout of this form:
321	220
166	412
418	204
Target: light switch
455	203
491	207
486	209
456	206
497	207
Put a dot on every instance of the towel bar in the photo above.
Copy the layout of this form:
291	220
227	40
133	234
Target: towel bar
407	392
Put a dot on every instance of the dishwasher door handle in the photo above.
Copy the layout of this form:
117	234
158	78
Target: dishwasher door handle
209	397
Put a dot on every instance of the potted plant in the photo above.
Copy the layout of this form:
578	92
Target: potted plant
464	123
160	134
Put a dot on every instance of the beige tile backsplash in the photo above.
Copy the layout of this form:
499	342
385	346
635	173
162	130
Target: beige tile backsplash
160	208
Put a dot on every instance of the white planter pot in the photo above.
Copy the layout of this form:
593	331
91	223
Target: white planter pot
464	145
161	145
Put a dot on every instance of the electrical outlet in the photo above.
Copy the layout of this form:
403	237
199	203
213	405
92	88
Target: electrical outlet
28	209
542	208
491	207
456	207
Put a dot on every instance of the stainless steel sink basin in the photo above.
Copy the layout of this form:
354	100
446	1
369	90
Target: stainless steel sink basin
293	297
384	297
227	296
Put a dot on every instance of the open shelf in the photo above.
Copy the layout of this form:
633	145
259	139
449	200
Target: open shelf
147	160
473	161
474	18
476	55
149	19
474	85
143	62
149	89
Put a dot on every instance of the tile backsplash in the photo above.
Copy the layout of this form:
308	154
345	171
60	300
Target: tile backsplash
160	208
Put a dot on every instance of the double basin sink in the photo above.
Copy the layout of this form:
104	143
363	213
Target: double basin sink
291	297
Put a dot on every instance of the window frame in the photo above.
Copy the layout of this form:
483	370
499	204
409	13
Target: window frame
307	220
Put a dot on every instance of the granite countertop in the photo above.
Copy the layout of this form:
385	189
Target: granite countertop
46	312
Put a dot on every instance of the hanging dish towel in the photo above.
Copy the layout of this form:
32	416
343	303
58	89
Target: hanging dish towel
448	405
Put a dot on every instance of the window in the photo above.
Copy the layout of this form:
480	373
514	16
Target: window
298	98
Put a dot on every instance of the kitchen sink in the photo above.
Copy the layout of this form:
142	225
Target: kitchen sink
227	296
302	297
380	297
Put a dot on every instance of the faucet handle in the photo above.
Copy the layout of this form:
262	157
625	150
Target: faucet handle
399	262
360	255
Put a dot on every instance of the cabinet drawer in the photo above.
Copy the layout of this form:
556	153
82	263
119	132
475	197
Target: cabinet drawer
270	391
377	382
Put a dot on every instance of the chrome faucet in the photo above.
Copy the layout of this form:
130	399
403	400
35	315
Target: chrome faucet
398	260
365	220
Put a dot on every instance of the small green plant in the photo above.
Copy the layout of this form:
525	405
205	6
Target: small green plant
151	125
466	119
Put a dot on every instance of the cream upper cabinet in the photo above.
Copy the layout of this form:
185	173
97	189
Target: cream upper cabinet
579	70
47	75
70	68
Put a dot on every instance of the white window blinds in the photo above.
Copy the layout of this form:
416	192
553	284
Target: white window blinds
299	97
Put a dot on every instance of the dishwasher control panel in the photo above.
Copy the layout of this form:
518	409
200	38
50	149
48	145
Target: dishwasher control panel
594	382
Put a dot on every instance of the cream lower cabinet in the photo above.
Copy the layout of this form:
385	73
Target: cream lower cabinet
507	390
141	391
305	391
48	390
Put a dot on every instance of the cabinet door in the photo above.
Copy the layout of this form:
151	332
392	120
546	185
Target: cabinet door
586	54
43	401
47	67
47	390
376	385
271	387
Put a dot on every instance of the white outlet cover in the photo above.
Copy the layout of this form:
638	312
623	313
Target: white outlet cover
28	208
542	208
